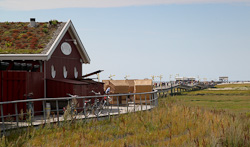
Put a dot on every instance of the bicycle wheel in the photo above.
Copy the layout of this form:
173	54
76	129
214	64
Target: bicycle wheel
87	110
101	107
31	110
96	111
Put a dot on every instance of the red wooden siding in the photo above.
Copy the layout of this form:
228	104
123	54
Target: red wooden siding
58	60
60	88
36	86
17	83
14	88
0	86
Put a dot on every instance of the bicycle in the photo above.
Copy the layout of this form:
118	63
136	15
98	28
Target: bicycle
30	105
90	107
97	107
72	105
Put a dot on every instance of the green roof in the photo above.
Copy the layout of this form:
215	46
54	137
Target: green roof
21	38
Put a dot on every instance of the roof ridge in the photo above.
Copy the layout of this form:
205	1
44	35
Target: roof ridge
55	35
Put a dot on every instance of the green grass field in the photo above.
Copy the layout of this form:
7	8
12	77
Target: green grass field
191	119
233	100
232	85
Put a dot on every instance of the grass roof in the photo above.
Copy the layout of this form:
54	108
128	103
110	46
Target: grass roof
20	38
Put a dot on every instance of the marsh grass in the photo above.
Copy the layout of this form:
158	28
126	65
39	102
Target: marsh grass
170	124
186	120
232	85
235	101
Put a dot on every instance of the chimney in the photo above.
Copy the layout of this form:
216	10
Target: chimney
32	22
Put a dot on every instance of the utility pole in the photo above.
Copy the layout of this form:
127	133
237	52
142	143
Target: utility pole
110	77
160	76
170	76
98	77
153	78
177	75
126	77
198	78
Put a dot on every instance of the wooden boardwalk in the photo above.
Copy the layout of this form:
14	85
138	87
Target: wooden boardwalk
108	111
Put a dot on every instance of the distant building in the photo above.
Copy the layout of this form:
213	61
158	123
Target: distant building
223	79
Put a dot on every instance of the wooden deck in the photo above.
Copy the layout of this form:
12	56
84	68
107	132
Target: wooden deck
39	120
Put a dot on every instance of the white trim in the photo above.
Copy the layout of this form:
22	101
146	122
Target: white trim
23	56
65	72
58	39
86	59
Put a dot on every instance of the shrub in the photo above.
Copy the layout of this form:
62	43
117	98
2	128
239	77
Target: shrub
40	46
6	33
6	26
53	22
18	45
24	31
25	36
7	39
32	46
8	44
34	40
15	31
15	35
45	30
24	45
7	23
29	34
45	26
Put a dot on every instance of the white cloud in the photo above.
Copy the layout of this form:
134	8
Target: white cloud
53	4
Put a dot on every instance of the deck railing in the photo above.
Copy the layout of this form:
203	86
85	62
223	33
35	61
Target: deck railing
52	108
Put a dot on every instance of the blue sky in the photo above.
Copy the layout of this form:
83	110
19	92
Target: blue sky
190	39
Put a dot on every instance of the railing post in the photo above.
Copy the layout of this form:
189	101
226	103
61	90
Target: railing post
84	107
127	102
118	105
140	102
31	107
150	101
154	100
97	107
2	119
108	103
146	102
171	90
17	119
134	102
112	104
57	110
44	112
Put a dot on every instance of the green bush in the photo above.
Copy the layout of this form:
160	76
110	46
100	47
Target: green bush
45	26
53	22
8	44
45	30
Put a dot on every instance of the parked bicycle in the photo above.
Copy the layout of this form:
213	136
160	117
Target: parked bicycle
72	105
97	106
30	105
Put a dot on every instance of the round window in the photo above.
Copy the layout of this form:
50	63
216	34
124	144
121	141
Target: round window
66	48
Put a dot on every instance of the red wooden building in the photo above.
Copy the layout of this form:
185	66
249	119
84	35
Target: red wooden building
44	59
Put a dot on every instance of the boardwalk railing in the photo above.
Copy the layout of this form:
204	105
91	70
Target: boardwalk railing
43	110
178	88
